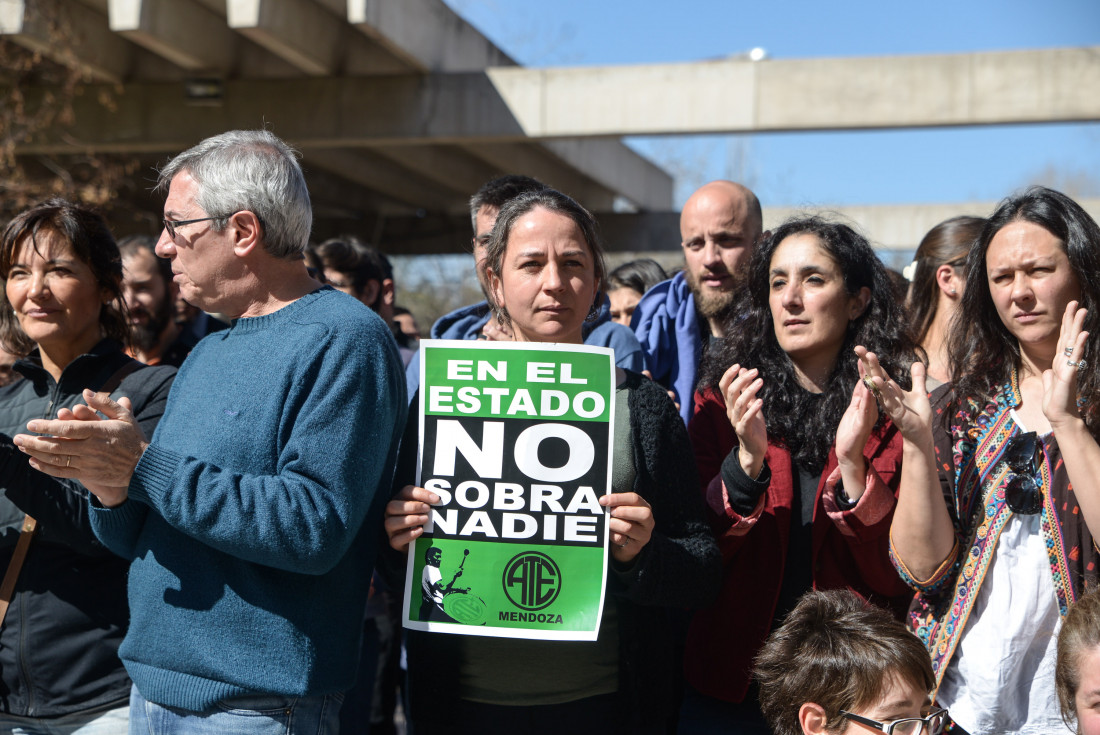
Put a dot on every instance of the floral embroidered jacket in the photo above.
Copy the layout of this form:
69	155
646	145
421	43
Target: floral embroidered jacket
973	480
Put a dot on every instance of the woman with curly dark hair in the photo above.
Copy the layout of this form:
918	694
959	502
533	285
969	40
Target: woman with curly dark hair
998	494
798	469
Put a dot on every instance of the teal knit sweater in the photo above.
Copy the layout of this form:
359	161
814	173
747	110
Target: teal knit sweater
253	516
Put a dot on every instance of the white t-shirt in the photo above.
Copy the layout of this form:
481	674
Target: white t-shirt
1001	678
430	584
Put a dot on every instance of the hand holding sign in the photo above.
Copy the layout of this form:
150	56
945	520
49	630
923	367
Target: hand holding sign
514	453
406	515
631	524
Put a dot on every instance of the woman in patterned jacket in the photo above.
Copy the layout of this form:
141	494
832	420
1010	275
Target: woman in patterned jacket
1001	473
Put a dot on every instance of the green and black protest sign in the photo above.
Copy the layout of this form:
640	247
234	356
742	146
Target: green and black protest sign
516	440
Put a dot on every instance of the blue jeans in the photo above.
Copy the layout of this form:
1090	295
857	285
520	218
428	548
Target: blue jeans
109	720
260	715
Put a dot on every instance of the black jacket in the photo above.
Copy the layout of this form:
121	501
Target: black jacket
59	641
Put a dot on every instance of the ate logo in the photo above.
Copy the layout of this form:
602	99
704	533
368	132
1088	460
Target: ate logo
532	580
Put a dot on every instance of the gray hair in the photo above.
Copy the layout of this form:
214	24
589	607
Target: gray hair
556	202
255	171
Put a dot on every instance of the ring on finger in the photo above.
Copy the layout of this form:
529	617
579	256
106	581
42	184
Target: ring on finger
1082	364
1068	352
871	387
68	459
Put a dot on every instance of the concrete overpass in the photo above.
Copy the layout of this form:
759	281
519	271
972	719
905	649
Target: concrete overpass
402	109
890	227
326	75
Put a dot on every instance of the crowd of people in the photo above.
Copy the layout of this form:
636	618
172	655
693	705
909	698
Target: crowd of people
831	511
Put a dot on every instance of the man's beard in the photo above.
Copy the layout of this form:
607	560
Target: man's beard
710	303
146	336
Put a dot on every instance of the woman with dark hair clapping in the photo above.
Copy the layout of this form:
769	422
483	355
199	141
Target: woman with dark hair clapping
1001	481
798	468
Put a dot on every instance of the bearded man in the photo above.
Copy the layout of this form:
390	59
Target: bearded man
676	320
150	294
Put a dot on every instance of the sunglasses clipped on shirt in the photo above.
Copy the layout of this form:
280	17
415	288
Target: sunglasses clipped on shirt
1023	493
931	724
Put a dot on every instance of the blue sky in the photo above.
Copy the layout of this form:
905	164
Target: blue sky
825	168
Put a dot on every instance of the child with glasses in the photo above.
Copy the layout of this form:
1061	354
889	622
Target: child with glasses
841	665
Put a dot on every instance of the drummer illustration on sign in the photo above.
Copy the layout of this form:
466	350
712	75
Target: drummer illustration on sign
432	590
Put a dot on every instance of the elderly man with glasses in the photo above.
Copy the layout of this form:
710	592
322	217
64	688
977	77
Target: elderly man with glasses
250	516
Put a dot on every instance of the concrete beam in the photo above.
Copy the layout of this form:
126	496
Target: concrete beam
617	168
360	112
514	105
515	158
447	166
349	112
298	31
427	34
384	177
892	227
182	32
436	234
339	205
68	33
1049	85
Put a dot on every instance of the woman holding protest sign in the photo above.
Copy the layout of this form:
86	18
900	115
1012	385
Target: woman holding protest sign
799	470
546	269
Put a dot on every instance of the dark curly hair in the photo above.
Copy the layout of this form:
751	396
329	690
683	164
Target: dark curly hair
981	350
92	243
805	422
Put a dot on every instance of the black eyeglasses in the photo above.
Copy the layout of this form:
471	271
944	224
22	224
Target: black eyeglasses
1022	493
931	724
171	225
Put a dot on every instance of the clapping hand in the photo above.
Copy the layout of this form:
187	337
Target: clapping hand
856	425
910	410
746	414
